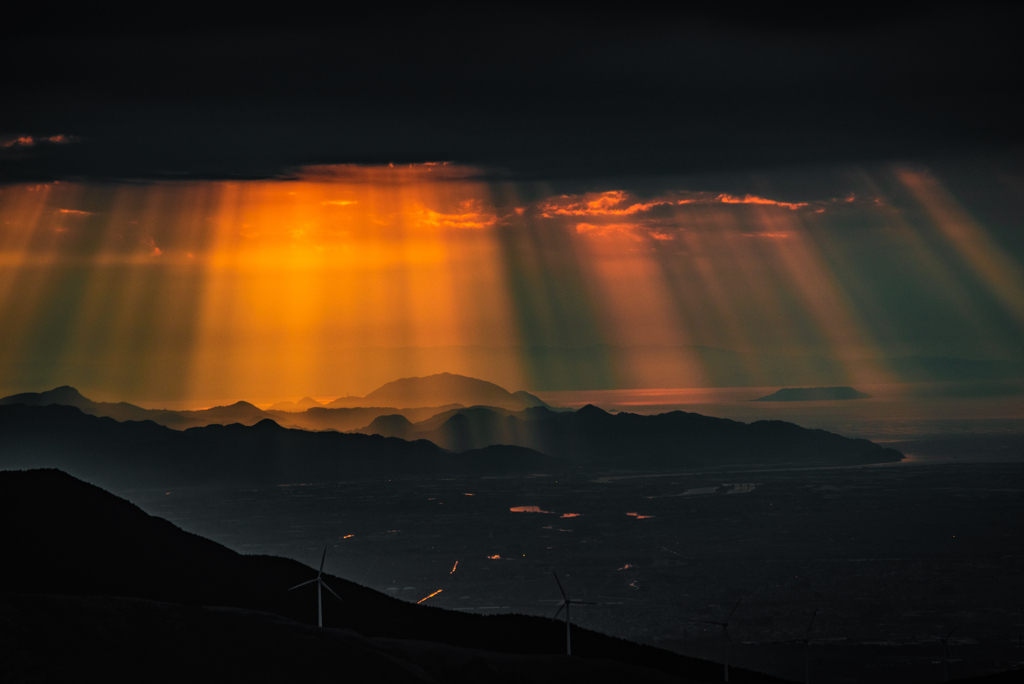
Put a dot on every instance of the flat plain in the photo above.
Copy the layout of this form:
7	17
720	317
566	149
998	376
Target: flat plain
891	557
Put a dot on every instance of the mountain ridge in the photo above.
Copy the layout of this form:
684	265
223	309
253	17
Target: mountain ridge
592	437
144	453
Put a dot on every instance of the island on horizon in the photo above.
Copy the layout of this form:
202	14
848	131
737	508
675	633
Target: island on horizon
814	394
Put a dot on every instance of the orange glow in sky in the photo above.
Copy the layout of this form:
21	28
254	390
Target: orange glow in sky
348	277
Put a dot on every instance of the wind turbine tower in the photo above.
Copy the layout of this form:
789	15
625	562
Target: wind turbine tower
806	641
945	652
320	584
725	634
565	606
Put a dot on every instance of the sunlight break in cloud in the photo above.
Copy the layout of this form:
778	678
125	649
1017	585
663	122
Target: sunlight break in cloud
32	141
471	217
753	199
617	203
605	204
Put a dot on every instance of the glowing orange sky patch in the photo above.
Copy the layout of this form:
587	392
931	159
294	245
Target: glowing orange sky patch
753	199
350	276
612	203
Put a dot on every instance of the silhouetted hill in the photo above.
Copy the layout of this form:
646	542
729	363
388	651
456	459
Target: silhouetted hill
115	639
593	437
65	537
814	394
483	412
390	426
345	419
296	406
146	454
442	388
64	395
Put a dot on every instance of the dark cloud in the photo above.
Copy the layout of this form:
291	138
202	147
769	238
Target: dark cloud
529	94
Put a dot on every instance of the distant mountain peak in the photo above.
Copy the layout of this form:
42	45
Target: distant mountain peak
443	389
65	391
243	404
65	394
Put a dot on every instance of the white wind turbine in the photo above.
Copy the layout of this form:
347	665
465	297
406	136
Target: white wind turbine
806	641
946	653
565	605
725	634
319	583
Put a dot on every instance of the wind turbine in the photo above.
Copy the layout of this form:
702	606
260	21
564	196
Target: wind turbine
945	652
806	641
319	583
567	602
726	640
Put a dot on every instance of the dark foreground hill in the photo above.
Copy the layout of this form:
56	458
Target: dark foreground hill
65	537
52	638
135	454
595	438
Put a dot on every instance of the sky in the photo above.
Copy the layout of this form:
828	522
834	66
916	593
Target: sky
250	206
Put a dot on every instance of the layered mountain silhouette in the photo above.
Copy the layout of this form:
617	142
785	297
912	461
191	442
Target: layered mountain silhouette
143	453
240	412
466	440
415	398
122	594
593	437
814	394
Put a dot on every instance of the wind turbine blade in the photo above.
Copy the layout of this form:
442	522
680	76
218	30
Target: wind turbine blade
303	584
707	622
324	585
560	587
584	603
816	658
813	615
954	629
558	612
322	559
734	609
